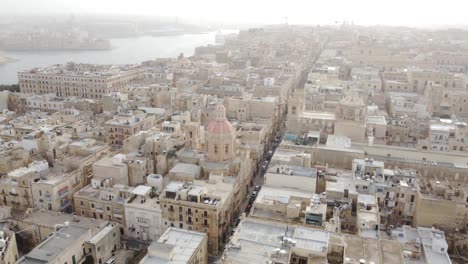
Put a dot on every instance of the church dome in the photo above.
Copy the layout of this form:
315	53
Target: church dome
220	125
220	136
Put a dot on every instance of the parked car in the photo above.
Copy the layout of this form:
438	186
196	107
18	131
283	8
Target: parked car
248	207
238	220
254	194
110	261
252	200
257	188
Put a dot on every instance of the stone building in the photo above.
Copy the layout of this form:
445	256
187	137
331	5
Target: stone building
202	206
81	80
143	214
124	125
16	186
184	246
351	117
100	202
103	244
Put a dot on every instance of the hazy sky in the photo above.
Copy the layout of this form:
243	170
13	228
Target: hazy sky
391	12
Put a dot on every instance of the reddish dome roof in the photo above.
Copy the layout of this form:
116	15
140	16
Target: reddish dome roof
220	127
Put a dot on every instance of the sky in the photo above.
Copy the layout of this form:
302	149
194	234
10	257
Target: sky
363	12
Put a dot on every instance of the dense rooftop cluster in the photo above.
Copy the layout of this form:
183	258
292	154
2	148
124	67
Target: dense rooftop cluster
284	144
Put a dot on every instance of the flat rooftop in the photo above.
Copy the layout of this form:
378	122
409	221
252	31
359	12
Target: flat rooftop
142	190
311	239
255	241
35	166
270	195
186	168
378	120
319	115
87	70
212	194
50	219
175	246
391	252
95	193
53	246
362	248
293	171
101	234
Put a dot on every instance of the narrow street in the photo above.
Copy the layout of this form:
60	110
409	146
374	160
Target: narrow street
259	176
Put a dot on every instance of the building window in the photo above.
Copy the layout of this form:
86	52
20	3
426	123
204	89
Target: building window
81	202
226	149
181	225
143	220
216	149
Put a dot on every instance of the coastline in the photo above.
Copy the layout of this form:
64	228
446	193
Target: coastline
5	60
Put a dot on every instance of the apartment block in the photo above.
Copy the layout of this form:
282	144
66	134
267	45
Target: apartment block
80	80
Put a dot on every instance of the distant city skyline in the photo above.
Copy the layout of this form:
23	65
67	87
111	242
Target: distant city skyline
363	12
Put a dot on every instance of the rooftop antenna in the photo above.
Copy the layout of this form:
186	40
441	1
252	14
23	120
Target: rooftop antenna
285	20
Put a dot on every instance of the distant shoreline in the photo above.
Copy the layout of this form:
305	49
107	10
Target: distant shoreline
5	60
